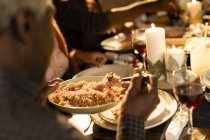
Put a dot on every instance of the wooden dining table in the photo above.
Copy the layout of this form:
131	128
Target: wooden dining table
201	115
201	119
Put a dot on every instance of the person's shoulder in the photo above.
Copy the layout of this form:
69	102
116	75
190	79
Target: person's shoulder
44	123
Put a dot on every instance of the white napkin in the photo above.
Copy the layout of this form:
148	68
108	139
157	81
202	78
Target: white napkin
82	122
176	126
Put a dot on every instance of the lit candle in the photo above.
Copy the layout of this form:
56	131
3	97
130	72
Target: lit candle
174	58
156	46
194	10
200	54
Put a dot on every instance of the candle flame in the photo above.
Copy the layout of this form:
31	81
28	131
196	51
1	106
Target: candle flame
194	1
173	47
153	25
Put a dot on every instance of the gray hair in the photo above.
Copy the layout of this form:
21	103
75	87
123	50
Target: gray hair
10	7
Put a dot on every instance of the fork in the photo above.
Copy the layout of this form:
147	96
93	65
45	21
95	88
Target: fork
90	122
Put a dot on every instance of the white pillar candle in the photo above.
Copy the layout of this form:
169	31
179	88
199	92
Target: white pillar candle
174	58
177	54
156	44
194	10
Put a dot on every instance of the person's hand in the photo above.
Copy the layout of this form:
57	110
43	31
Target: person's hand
141	99
126	84
49	88
97	58
94	58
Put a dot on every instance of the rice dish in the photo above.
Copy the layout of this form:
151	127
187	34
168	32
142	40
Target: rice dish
87	94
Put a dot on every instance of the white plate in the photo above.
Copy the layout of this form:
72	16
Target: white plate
158	112
121	70
120	42
171	107
82	110
108	115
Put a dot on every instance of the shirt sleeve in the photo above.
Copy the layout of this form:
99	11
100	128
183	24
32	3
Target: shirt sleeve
72	16
130	128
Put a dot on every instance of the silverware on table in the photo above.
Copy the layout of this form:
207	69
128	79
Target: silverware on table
86	129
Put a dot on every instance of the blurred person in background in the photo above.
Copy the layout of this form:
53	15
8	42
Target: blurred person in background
26	40
60	62
206	6
64	64
84	24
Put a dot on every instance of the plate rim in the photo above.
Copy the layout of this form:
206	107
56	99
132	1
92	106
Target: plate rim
113	127
114	121
108	65
110	48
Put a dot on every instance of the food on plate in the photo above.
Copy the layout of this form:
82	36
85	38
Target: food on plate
116	112
87	94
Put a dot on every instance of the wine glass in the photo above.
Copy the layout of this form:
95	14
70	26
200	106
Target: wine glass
139	44
205	80
189	92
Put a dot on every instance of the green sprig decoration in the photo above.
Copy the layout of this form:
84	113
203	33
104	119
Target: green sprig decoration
172	63
155	69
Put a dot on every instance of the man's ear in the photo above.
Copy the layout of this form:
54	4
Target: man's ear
22	25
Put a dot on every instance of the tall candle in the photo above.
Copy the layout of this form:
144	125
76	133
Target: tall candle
194	10
156	44
174	58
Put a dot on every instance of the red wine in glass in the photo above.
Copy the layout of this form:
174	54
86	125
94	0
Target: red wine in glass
140	46
189	94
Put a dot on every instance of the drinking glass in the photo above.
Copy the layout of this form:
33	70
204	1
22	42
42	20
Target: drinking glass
200	54
205	80
139	44
189	92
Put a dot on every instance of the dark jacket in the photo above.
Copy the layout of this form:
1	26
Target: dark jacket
80	27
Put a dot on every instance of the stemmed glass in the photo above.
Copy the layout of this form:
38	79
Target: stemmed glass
205	80
139	44
189	92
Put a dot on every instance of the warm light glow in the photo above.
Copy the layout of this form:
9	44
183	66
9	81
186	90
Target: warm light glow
141	37
173	47
153	25
198	30
194	1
